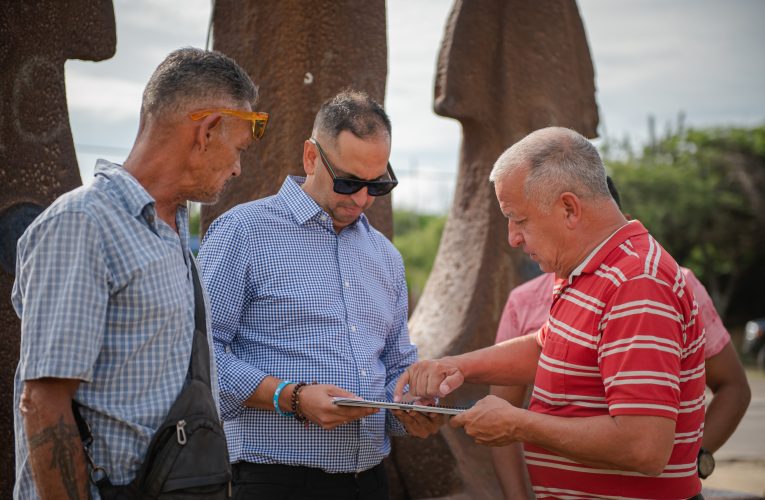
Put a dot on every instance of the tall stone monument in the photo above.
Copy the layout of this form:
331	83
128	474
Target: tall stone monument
299	54
506	68
37	159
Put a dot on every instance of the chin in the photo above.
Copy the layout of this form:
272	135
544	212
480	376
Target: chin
206	198
545	268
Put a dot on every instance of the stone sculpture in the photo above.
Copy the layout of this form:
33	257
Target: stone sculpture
506	68
37	159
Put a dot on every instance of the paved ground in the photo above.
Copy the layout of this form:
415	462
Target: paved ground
740	463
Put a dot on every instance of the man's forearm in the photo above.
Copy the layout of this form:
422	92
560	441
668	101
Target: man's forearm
513	362
727	379
645	443
56	454
263	396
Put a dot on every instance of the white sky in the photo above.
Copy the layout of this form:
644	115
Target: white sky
702	57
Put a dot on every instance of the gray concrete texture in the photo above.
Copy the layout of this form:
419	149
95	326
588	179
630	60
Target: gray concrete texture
740	463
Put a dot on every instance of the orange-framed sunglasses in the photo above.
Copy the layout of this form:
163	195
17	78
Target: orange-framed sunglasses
258	119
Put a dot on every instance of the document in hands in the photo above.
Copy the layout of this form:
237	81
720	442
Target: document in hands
389	405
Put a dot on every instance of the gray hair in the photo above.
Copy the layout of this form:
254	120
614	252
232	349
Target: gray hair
559	160
354	111
203	77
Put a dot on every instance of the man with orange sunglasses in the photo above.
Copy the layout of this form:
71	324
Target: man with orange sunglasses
105	288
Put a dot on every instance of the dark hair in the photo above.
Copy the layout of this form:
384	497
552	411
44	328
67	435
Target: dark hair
202	76
613	191
354	111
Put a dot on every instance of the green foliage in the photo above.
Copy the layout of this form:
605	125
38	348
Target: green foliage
700	193
194	217
417	237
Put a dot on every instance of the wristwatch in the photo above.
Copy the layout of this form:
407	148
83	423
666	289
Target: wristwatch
706	463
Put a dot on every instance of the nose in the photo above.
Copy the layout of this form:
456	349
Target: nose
360	197
514	237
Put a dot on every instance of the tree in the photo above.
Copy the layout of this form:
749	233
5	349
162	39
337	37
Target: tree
700	193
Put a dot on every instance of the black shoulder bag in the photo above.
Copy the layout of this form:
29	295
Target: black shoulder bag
187	457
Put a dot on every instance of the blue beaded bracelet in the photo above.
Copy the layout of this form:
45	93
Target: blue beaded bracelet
277	392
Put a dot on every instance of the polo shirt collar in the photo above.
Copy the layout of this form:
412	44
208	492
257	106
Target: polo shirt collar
130	191
599	253
302	206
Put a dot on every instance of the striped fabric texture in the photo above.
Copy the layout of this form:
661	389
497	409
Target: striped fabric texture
528	308
292	298
623	338
104	292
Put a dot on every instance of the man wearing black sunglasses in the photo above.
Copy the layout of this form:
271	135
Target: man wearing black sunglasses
309	302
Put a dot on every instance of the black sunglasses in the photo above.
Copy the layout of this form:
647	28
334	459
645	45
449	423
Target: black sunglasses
343	185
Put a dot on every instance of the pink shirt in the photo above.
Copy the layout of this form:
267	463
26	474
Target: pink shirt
528	307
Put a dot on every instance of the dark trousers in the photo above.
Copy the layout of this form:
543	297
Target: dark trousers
287	482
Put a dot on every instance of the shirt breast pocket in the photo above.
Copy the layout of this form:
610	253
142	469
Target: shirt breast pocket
550	382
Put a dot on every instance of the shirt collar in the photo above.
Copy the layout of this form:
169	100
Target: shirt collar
599	253
135	196
302	206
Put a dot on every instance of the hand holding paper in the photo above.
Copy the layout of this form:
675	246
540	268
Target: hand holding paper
492	421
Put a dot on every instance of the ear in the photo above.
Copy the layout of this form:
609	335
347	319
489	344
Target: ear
572	209
309	157
206	127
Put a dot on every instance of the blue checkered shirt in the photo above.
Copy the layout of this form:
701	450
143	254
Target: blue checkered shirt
292	298
105	295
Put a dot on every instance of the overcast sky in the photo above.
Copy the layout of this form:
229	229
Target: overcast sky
660	57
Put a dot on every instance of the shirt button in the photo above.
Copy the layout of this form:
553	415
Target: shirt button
346	284
363	373
323	217
353	328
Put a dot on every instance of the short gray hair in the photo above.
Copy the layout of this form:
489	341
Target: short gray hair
559	160
203	77
354	111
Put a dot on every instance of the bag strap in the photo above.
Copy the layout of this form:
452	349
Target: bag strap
98	475
199	366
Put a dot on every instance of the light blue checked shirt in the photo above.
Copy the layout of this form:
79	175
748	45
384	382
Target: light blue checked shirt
292	298
105	295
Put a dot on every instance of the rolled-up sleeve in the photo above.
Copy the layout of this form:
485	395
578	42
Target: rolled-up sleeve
225	261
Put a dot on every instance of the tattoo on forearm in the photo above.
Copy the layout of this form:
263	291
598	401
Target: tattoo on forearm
64	439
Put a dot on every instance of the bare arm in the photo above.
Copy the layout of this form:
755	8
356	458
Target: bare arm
513	362
55	449
727	380
315	402
645	442
509	465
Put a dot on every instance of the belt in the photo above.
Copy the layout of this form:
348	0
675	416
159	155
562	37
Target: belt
247	471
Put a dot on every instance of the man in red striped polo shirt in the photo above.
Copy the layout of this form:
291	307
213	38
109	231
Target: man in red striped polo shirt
617	409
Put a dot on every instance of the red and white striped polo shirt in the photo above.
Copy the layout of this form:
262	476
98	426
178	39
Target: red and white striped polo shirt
622	339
